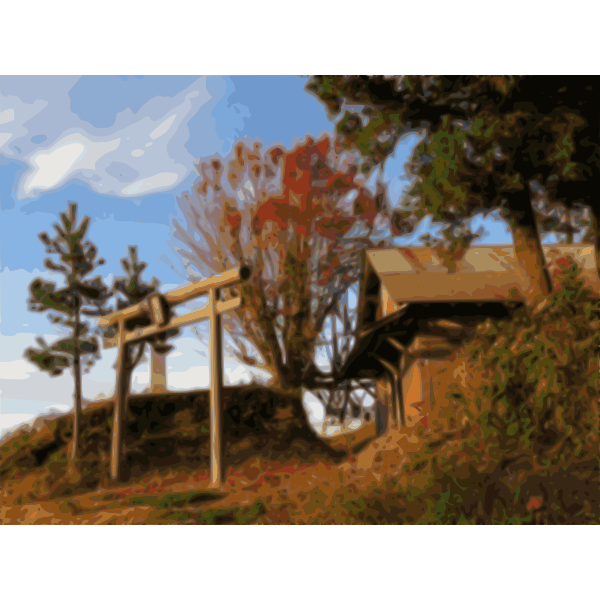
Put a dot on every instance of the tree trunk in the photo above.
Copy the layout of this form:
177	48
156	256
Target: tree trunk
276	353
530	255
77	382
597	249
595	226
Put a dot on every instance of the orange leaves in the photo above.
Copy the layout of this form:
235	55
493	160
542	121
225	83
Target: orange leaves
233	218
275	154
277	210
307	183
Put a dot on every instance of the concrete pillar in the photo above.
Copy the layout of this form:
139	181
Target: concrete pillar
158	372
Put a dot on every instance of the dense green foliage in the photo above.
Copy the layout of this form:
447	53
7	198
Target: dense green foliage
525	443
520	143
131	289
544	376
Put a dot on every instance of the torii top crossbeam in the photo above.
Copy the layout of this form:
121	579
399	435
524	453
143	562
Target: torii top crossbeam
156	307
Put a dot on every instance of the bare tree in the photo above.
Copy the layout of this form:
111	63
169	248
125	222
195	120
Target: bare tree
301	219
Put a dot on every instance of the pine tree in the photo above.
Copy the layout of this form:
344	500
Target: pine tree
80	296
131	289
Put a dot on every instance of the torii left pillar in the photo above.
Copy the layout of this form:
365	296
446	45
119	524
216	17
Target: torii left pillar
121	390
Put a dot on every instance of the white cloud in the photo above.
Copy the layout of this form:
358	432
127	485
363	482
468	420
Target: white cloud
193	378
54	164
6	116
16	369
109	159
163	127
55	390
4	138
143	186
72	153
9	423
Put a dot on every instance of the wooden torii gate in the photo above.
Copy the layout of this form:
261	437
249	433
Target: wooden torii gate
153	316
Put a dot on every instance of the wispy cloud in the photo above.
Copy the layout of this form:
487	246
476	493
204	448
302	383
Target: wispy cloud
142	152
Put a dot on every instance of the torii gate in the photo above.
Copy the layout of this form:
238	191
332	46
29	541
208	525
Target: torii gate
152	317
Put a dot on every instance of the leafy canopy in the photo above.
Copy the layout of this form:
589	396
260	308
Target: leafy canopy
488	140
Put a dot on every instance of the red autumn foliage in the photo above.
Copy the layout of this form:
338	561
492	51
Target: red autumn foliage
534	503
279	211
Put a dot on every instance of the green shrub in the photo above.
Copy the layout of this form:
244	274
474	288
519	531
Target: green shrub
525	450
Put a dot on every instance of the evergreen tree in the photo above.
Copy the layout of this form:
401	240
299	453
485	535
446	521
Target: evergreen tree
80	296
131	289
526	144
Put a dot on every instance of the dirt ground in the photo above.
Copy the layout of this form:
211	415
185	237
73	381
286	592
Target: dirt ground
260	490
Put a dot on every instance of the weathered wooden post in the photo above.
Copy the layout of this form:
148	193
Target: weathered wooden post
119	409
398	406
216	385
400	409
394	377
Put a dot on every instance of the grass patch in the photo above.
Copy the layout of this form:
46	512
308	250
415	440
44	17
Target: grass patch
221	516
174	500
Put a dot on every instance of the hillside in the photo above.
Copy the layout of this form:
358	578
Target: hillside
278	471
161	433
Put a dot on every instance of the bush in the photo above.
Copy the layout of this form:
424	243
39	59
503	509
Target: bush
525	443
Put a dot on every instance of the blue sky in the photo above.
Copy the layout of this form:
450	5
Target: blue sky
123	148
